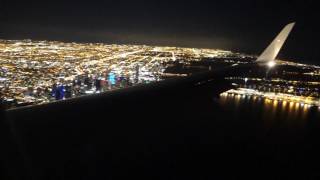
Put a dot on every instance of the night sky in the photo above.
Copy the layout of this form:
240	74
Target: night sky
243	26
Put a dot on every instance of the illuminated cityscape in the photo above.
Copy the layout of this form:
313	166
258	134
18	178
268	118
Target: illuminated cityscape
37	72
103	89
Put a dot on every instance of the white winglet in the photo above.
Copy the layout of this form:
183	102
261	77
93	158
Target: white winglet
273	49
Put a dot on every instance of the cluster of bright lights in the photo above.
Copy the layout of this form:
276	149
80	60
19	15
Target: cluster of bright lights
304	101
271	64
28	69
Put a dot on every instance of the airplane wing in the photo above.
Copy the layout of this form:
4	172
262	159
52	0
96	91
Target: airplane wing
271	52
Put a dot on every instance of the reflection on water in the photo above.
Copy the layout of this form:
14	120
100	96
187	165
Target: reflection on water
270	111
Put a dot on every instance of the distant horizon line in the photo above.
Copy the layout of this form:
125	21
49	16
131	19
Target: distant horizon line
140	44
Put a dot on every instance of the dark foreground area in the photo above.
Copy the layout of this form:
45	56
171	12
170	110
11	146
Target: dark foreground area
175	129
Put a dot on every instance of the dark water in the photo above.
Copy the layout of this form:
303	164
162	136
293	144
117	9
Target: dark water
169	130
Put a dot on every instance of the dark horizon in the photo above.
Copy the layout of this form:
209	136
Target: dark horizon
245	26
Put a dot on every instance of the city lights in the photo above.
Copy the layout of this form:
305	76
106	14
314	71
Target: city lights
292	99
36	72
